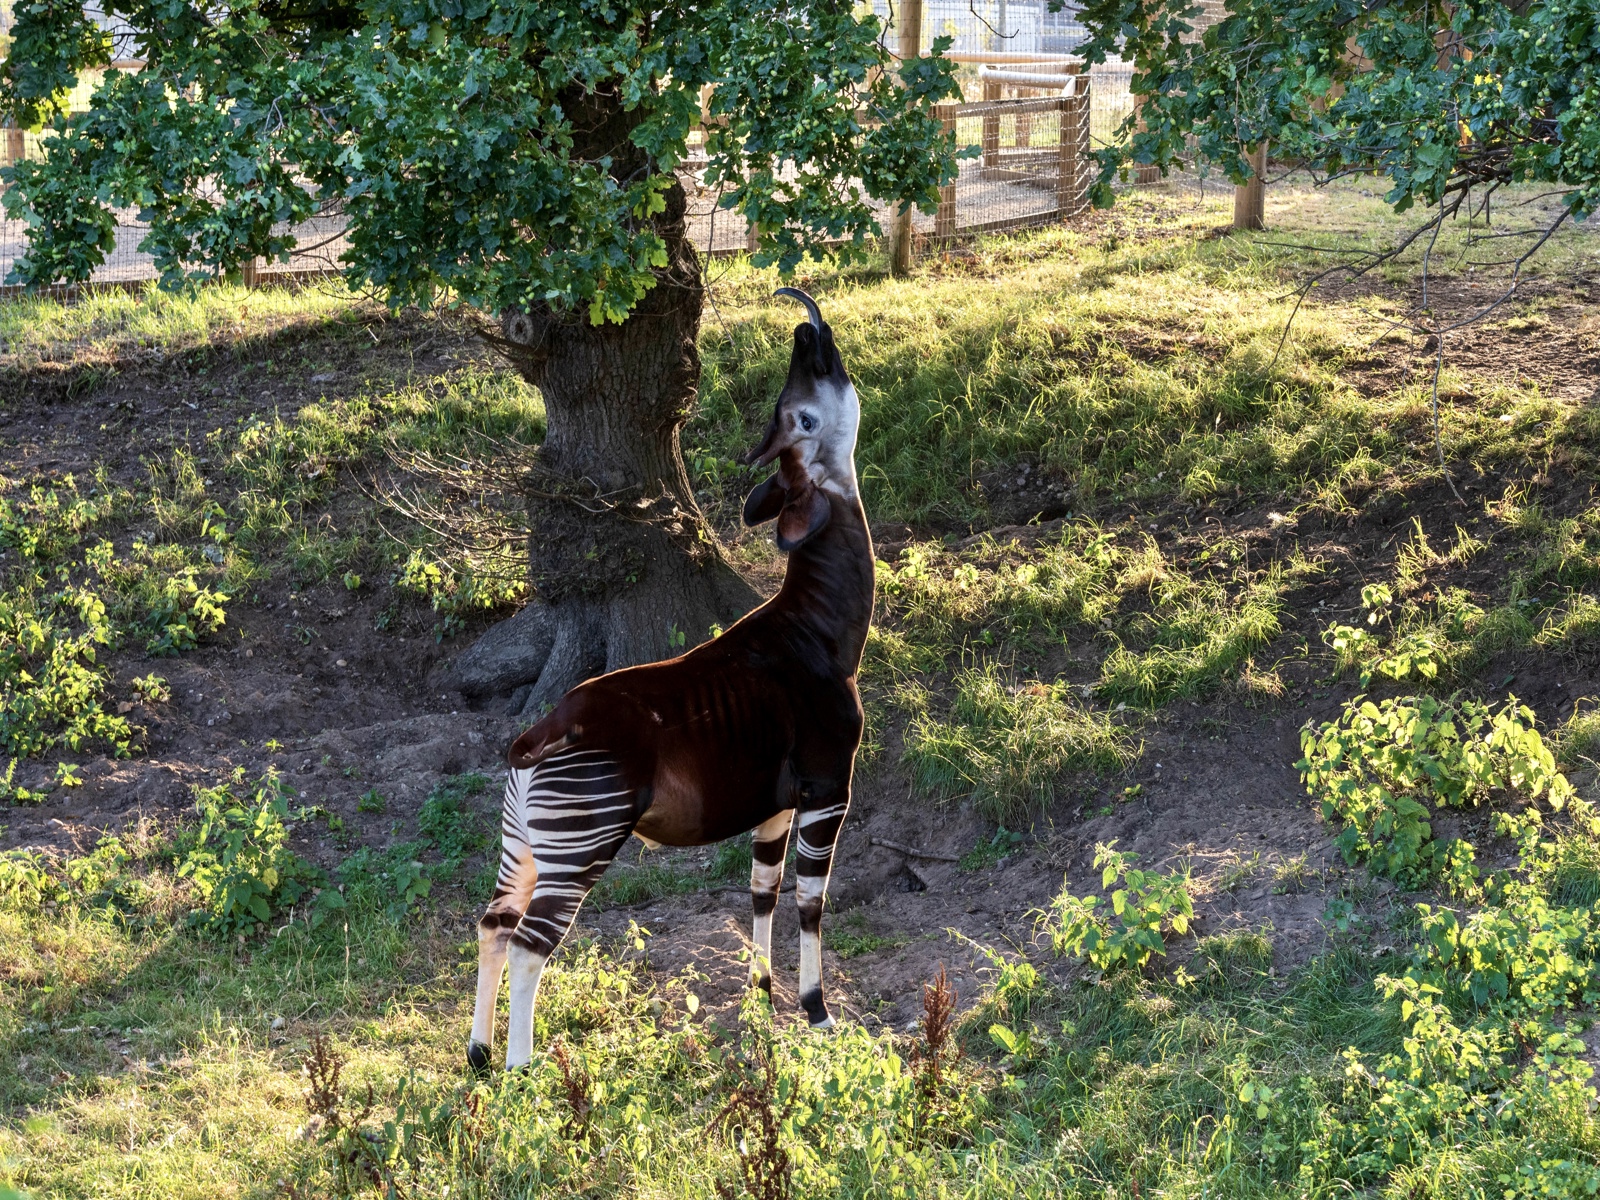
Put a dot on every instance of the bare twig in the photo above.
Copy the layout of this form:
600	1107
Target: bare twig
913	852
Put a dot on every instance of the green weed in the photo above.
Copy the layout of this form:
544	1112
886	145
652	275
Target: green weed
988	851
1143	909
850	937
241	866
1380	767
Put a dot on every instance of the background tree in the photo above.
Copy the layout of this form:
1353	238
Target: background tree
518	156
1451	100
1447	98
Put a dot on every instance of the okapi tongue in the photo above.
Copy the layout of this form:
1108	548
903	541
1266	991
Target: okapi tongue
764	453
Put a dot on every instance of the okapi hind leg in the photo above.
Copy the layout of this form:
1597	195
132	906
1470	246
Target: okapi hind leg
767	852
512	890
577	814
818	826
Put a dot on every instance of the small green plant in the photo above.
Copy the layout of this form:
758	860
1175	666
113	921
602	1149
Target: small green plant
850	937
352	581
391	881
15	793
1381	768
1293	875
989	851
152	689
239	860
449	822
1238	870
1142	909
67	775
371	802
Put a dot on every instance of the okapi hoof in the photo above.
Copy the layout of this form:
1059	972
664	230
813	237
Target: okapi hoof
478	1059
816	1010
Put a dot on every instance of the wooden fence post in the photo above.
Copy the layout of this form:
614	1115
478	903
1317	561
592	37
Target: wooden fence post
1070	147
944	223
1250	199
910	47
991	127
14	147
247	272
1144	174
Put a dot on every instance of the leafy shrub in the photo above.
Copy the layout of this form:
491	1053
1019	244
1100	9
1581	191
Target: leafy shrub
1378	768
1525	953
455	591
180	612
1008	746
1147	904
57	617
239	860
24	883
52	685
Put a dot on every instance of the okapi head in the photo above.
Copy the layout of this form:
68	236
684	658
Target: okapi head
812	436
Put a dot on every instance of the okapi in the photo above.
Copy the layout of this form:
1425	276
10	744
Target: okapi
756	729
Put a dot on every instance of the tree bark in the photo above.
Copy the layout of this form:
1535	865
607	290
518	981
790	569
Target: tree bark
618	549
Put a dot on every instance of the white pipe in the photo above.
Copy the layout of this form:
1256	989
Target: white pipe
1031	79
1009	56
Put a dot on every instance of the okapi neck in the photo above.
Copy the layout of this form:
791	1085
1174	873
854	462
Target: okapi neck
828	586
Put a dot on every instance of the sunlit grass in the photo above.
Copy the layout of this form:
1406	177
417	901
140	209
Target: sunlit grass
106	325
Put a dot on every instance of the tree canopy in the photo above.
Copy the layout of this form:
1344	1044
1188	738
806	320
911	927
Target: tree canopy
511	151
1441	96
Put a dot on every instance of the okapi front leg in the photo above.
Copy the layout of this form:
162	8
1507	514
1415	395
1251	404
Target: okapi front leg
767	852
818	831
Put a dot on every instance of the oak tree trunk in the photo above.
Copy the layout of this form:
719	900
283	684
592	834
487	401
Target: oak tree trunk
620	555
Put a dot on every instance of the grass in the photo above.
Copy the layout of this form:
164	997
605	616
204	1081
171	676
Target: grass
1118	371
1102	379
644	881
1006	746
155	1061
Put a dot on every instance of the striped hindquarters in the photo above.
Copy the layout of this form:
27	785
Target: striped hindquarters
572	811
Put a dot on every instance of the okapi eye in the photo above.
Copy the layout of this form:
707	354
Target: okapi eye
806	422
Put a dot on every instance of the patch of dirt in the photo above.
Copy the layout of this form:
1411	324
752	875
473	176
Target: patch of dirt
1547	335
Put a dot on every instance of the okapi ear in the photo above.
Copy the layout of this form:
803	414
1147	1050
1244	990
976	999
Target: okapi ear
805	512
764	501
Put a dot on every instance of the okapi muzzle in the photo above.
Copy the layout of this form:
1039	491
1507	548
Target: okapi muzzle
753	731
